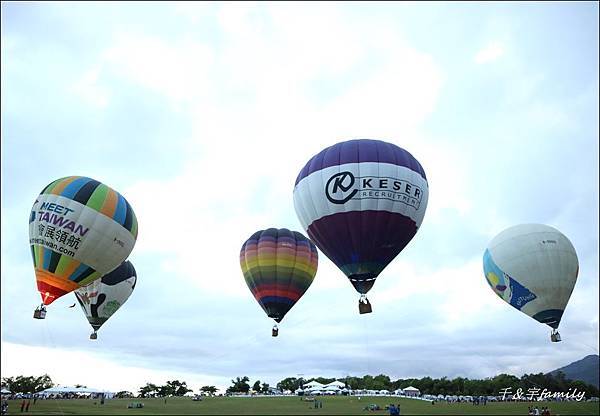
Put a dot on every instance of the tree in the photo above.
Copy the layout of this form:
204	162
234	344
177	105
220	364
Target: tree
176	388
382	382
30	384
264	388
355	383
123	394
324	380
210	390
148	390
290	383
256	386
367	382
240	385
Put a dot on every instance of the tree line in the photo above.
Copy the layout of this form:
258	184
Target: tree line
459	386
171	388
27	384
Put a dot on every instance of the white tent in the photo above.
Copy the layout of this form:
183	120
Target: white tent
312	384
4	391
77	390
411	391
336	383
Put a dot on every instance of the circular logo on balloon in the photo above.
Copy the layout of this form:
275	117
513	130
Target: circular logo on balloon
338	185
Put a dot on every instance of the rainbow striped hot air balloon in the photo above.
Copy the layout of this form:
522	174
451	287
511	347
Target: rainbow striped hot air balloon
79	230
279	265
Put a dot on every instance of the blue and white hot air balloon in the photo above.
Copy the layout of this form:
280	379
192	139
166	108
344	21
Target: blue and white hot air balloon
533	268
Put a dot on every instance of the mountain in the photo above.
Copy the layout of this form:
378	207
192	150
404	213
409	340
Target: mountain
586	370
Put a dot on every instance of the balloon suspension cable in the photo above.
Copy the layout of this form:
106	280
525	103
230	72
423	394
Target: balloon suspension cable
275	330
40	312
363	305
555	336
94	335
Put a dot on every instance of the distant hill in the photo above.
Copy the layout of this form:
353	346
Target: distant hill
586	370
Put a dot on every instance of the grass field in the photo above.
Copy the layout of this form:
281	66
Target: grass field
288	406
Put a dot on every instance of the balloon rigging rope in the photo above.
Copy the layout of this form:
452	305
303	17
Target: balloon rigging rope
48	337
366	345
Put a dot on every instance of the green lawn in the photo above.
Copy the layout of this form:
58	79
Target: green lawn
332	405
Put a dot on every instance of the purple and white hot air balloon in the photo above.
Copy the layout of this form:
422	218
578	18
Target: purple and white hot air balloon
361	202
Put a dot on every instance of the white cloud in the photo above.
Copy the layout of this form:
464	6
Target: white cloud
90	90
102	372
179	70
490	53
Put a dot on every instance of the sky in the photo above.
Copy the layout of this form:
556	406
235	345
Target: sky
203	114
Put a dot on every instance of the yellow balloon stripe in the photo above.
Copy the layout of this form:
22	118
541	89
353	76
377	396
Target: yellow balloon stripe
301	265
90	278
110	204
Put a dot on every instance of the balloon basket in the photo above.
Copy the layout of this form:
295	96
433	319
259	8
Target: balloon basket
364	306
275	331
94	335
555	336
40	312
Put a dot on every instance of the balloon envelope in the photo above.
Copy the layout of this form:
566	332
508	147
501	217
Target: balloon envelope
533	268
361	202
278	265
79	230
103	297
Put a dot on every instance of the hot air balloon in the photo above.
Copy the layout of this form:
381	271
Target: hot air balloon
533	268
361	202
79	230
101	298
278	265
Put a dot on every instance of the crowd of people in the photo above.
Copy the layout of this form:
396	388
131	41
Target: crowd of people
536	411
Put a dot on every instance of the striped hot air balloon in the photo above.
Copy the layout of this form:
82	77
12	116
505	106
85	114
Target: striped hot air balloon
79	230
361	202
278	265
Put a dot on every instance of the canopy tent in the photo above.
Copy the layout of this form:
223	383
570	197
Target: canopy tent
312	384
315	390
336	383
78	390
411	391
332	388
4	391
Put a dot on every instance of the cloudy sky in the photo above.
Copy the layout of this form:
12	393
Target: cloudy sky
202	115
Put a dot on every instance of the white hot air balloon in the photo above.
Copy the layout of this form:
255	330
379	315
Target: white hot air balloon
533	267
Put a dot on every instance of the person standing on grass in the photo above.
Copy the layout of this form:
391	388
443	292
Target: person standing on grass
22	405
27	406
